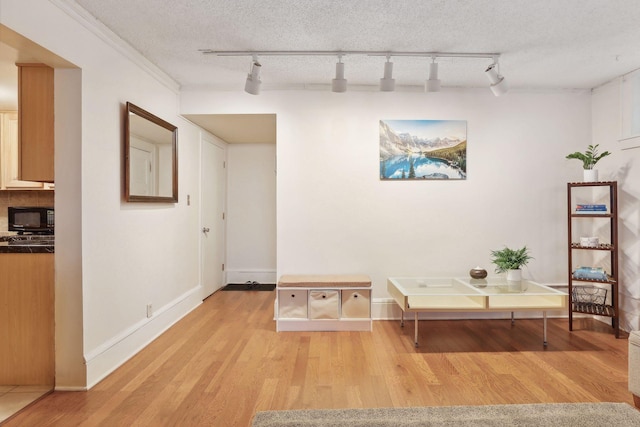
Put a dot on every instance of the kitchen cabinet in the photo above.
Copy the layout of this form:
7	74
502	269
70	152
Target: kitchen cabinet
9	155
27	319
35	122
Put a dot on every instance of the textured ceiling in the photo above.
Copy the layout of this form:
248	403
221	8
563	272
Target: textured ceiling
544	44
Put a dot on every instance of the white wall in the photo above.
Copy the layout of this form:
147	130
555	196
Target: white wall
622	166
69	343
336	216
251	213
121	256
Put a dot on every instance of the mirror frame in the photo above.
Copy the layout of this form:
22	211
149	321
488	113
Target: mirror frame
134	109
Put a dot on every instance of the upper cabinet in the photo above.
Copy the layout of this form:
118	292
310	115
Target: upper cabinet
35	123
9	179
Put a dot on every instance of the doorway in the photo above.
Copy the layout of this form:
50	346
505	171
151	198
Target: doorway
249	230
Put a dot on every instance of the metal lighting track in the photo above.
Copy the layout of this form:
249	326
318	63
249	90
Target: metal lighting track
340	53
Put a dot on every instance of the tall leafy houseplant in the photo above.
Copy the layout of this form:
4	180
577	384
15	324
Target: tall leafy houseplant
510	261
589	159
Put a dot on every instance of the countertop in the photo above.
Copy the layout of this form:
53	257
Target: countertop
27	244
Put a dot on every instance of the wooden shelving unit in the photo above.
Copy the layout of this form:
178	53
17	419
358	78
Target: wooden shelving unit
595	297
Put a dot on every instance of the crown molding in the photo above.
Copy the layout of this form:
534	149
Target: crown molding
75	11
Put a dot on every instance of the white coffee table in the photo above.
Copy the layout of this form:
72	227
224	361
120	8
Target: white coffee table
429	294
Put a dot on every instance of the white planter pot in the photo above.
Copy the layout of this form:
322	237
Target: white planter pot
514	275
590	175
514	280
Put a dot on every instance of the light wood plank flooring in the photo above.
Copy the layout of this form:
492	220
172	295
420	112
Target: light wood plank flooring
224	361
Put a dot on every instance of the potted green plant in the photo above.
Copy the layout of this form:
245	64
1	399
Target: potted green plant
589	159
511	261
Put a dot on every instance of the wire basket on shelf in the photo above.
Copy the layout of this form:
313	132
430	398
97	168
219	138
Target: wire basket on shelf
589	295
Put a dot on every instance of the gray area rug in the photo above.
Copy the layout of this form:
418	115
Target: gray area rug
541	414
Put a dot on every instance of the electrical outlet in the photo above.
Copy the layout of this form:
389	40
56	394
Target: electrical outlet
149	310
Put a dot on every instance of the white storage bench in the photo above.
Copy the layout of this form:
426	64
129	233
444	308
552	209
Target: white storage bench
323	303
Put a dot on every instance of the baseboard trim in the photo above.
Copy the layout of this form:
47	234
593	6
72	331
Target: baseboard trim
65	388
112	354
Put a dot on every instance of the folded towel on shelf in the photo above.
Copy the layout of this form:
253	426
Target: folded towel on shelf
590	273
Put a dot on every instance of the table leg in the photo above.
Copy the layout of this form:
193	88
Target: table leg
513	320
401	318
415	339
544	327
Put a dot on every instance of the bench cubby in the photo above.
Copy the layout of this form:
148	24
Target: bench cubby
292	304
356	304
323	303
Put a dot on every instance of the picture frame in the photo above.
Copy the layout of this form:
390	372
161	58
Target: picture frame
423	150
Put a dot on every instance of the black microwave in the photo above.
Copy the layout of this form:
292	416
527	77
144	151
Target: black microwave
31	219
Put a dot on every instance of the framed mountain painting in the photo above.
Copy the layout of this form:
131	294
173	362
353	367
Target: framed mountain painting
423	149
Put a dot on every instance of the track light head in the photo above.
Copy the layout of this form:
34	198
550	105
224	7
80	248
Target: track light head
339	84
433	84
387	83
499	85
253	82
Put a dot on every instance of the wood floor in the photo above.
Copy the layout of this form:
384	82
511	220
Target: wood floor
224	361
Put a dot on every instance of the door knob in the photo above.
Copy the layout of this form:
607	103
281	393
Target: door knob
205	229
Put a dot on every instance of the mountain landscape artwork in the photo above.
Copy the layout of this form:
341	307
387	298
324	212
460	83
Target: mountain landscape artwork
423	149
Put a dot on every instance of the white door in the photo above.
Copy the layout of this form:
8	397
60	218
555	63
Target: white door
141	170
213	185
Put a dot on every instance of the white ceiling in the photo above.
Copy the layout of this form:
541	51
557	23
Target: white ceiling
544	44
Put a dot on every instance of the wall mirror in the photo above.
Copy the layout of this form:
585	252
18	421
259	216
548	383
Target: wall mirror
151	158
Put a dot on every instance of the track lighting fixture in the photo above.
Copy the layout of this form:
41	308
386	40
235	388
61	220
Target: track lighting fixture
387	83
433	84
499	85
253	82
339	84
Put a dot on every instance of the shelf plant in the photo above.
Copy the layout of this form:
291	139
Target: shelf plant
590	157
